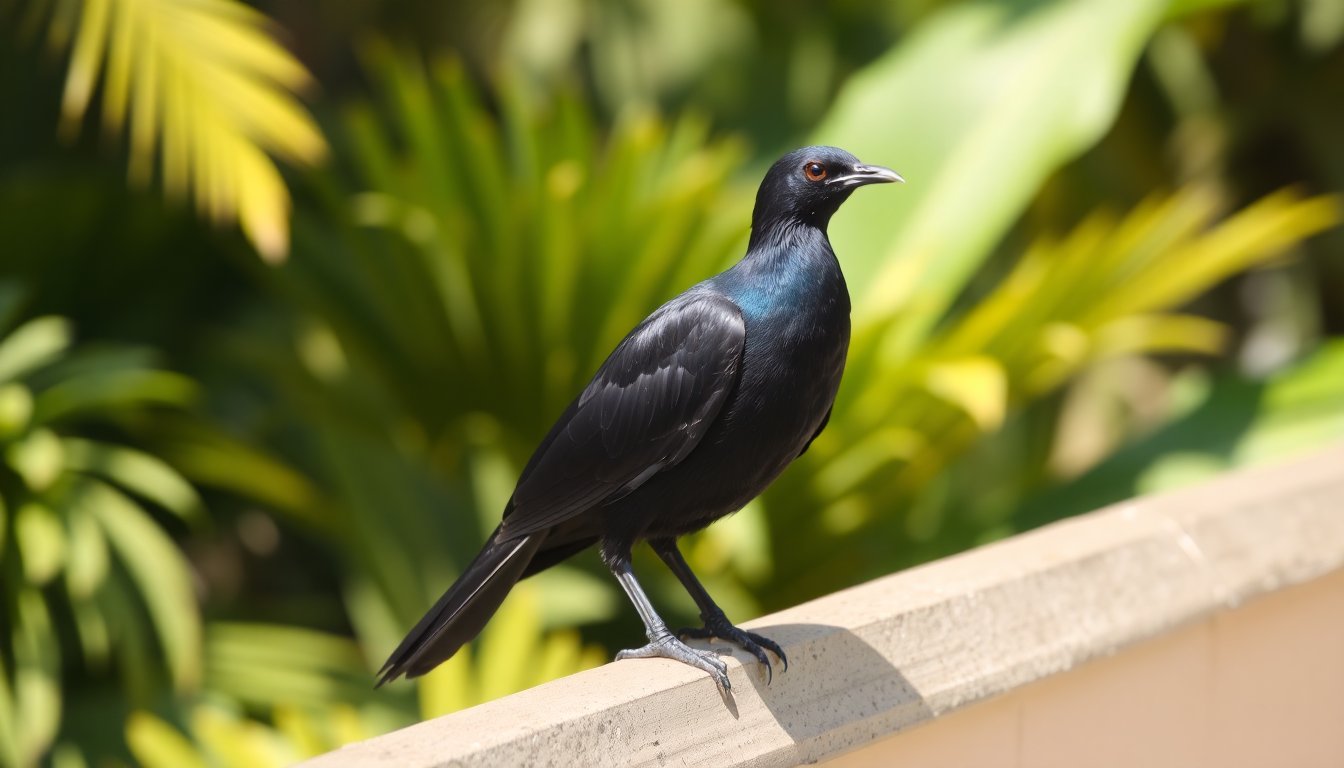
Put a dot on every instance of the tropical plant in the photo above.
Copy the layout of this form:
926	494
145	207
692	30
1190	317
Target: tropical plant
201	87
86	562
312	688
1221	422
1104	291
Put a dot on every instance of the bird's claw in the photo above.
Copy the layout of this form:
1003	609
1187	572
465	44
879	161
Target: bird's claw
667	646
750	642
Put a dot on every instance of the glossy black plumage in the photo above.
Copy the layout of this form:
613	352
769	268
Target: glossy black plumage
692	415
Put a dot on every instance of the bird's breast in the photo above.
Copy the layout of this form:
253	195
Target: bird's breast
792	362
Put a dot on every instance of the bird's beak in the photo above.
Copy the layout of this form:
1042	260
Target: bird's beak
867	174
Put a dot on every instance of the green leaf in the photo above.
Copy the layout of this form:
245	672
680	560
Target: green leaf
209	457
67	755
89	561
978	385
140	473
450	686
41	541
1160	333
263	664
95	634
156	744
94	392
16	410
33	345
569	596
37	691
1240	421
160	574
238	742
513	633
38	458
976	108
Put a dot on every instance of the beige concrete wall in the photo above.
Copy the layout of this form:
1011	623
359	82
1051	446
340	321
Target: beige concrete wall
1261	686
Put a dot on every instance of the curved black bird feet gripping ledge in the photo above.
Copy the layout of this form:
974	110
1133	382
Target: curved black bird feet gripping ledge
750	642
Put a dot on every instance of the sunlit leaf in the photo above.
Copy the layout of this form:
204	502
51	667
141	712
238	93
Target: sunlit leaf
1238	421
1160	333
513	633
211	458
205	88
160	574
262	664
298	728
88	561
37	691
94	392
238	741
95	634
32	345
568	596
39	458
449	687
67	755
16	410
975	109
41	540
977	385
137	472
156	744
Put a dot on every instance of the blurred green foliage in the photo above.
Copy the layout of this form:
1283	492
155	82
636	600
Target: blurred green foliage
228	484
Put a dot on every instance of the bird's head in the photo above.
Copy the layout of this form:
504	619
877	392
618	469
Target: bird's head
807	185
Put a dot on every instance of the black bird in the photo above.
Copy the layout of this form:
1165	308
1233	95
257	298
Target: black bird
696	411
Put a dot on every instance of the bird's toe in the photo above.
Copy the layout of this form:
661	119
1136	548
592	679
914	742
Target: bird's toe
669	647
752	643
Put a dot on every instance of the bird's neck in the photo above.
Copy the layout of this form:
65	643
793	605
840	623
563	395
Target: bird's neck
790	245
787	230
786	267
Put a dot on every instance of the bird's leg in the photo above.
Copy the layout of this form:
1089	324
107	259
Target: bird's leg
662	643
716	623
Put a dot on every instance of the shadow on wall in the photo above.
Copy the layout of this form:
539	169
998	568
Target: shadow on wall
837	692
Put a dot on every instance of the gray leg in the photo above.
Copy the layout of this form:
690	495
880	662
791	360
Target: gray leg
716	623
662	643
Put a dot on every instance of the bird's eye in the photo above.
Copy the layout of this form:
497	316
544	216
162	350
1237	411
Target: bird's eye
814	171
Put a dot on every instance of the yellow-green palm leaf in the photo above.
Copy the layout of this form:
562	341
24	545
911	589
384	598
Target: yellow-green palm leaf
204	86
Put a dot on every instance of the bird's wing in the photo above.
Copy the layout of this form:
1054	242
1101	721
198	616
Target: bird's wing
646	409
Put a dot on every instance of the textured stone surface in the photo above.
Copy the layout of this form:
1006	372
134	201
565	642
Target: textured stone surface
1260	685
897	652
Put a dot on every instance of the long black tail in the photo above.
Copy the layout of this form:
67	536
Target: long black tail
464	609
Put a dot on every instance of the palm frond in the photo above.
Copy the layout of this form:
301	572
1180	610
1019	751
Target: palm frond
202	85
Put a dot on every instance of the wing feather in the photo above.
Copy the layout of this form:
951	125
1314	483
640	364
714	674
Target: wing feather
647	408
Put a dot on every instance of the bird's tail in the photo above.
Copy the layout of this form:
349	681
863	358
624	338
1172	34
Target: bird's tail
464	609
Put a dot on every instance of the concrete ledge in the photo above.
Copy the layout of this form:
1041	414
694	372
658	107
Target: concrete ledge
900	651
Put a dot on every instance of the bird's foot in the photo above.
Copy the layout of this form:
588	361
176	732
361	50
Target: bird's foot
756	645
667	646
